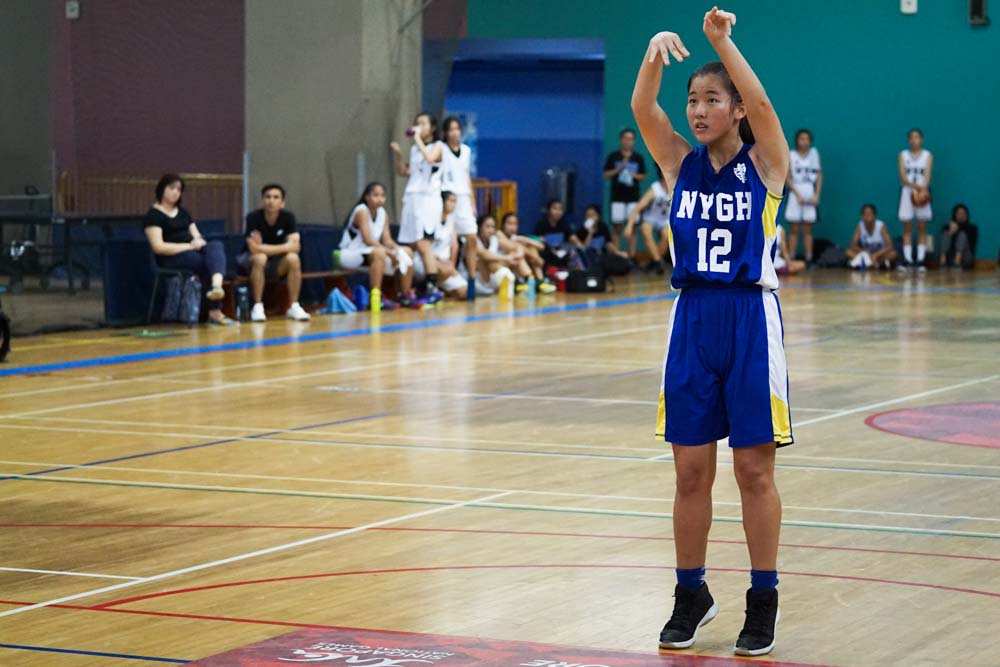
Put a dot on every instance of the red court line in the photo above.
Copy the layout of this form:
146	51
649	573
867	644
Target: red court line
452	568
290	624
870	421
477	532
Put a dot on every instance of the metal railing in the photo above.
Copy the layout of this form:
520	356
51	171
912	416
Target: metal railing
495	198
205	195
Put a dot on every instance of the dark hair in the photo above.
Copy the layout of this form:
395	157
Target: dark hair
549	203
871	206
804	131
917	130
596	207
716	68
361	200
447	193
955	208
272	186
446	125
483	218
507	216
627	130
165	181
435	132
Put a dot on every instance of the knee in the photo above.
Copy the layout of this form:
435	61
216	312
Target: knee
293	260
694	481
258	260
754	480
378	253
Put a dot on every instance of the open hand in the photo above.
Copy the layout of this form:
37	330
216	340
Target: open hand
395	148
718	24
663	45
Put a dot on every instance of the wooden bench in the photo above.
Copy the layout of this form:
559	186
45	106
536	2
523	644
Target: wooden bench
276	300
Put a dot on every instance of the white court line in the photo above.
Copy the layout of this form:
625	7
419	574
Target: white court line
225	385
172	374
465	394
606	334
252	554
448	487
274	438
901	399
68	574
492	505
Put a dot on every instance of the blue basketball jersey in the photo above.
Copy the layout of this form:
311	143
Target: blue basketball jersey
723	225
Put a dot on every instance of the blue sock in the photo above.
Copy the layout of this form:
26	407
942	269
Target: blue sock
692	578
766	580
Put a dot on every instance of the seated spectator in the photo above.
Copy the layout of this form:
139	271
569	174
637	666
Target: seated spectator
596	237
177	244
654	207
871	246
367	242
958	240
444	248
560	241
510	241
494	264
273	245
783	262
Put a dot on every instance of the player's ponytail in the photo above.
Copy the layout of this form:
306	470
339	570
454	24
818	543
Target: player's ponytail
746	134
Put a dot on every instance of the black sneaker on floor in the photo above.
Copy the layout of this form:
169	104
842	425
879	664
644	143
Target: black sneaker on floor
757	636
692	609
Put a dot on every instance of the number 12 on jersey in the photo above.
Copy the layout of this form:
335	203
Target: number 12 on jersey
722	242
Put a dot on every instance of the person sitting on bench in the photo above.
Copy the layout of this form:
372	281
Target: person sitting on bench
273	245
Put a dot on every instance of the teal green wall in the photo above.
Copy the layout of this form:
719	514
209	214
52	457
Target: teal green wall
858	74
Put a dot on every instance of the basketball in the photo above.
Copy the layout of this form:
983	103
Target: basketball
920	197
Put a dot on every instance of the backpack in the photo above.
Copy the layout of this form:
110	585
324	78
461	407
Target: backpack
190	306
588	280
833	258
615	265
171	300
4	336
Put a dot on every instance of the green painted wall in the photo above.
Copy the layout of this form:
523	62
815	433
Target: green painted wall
857	73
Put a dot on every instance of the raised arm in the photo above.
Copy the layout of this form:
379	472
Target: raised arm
667	147
431	153
402	168
770	151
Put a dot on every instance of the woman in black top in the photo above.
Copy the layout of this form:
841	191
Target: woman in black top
177	244
557	234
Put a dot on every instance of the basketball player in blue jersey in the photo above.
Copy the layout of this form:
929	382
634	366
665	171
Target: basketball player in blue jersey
724	373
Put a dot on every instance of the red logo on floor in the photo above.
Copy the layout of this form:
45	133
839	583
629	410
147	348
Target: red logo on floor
400	649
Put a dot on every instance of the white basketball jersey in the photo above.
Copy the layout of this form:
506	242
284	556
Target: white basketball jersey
493	247
456	169
915	166
805	170
424	177
658	210
871	241
352	235
441	246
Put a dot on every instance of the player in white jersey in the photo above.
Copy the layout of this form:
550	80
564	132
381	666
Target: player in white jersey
456	168
422	197
915	166
654	207
366	242
805	182
495	263
871	246
444	249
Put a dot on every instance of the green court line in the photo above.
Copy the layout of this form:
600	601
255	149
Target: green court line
494	506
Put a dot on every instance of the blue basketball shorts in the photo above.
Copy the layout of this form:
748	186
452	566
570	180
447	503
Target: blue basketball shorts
724	374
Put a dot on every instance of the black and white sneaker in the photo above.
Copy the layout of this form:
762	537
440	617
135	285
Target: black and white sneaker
757	636
692	609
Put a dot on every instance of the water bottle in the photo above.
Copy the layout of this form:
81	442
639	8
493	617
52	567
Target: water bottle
376	301
506	287
532	287
470	290
242	304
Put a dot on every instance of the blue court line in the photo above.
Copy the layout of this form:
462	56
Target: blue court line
100	654
636	372
158	452
897	288
326	335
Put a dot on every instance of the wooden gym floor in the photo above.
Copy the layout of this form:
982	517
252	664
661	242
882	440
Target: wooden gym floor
490	471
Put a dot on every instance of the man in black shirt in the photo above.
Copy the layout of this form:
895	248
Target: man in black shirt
558	236
626	169
273	245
